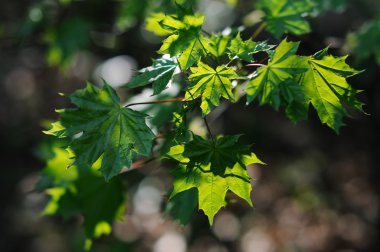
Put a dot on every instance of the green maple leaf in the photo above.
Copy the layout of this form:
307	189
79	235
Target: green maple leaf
364	43
327	89
82	190
272	81
160	74
323	6
244	49
101	127
153	24
193	53
211	84
286	16
98	201
182	205
56	173
212	188
184	37
222	152
217	45
216	168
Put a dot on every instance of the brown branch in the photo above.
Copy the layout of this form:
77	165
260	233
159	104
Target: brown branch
138	164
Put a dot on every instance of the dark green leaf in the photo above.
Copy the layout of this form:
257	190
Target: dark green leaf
160	74
100	126
203	165
182	205
286	16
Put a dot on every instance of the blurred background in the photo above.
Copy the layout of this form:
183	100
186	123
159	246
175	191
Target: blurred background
318	192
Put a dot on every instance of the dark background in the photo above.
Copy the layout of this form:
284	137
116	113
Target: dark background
318	192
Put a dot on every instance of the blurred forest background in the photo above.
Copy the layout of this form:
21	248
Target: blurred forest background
319	191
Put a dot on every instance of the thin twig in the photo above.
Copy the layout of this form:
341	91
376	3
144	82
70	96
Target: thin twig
178	99
206	32
230	62
208	128
263	60
258	30
138	164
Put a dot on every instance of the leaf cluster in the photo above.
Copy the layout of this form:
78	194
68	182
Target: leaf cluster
209	69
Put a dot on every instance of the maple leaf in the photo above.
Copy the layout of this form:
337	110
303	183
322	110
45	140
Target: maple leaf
273	81
56	173
184	37
213	169
101	127
182	205
327	89
217	45
82	190
160	74
244	49
212	188
364	42
98	201
153	24
223	152
194	52
286	16
211	84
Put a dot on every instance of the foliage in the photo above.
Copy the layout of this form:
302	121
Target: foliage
213	167
106	130
100	132
160	74
286	16
82	190
364	41
210	84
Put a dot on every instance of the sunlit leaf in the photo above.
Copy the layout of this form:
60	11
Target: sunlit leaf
101	127
211	84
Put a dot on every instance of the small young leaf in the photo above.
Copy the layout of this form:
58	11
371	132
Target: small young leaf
244	49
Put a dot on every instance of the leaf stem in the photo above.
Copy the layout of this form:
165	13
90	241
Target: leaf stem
255	65
258	30
178	99
208	128
206	32
230	62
